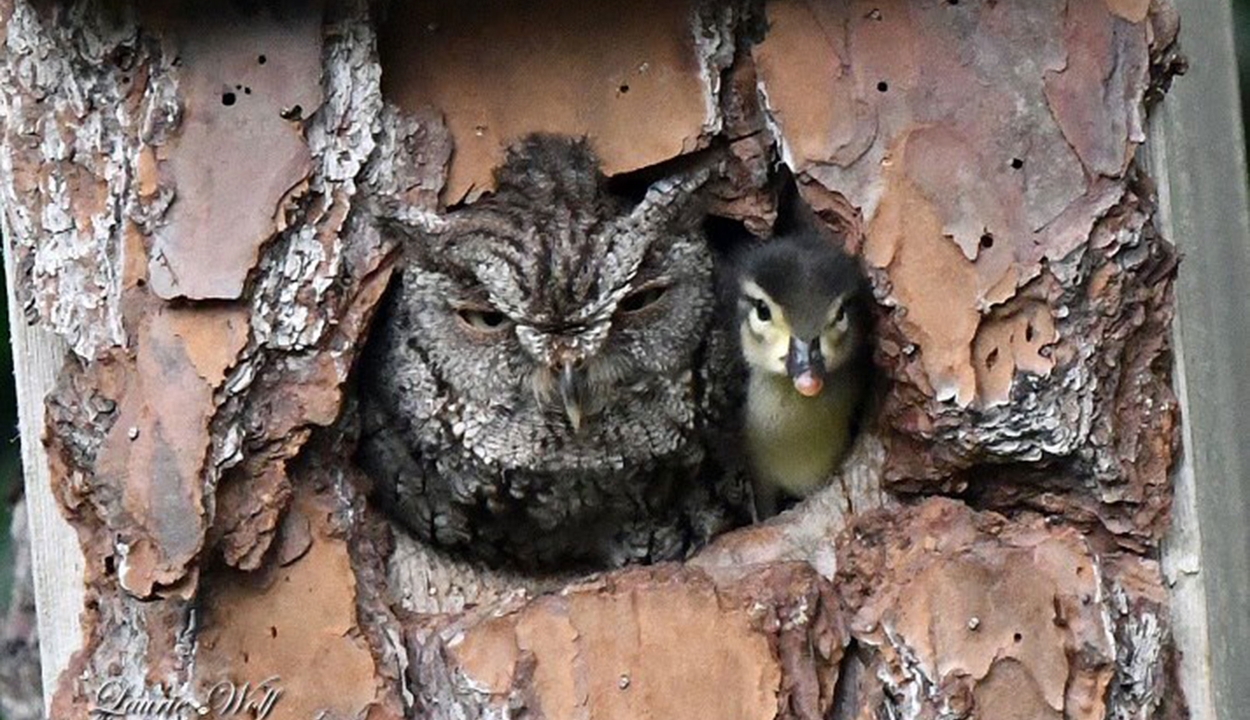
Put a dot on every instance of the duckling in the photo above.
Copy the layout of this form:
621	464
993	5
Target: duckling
802	334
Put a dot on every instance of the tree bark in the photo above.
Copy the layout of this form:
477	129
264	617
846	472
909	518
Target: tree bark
191	200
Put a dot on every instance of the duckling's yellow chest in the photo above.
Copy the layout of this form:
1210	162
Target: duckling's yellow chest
795	442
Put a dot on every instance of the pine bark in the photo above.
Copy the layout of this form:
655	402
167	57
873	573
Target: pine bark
190	201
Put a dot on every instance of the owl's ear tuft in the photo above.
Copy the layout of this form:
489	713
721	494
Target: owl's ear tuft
418	237
672	200
413	224
393	216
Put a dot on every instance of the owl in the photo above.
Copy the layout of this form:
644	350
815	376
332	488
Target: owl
537	390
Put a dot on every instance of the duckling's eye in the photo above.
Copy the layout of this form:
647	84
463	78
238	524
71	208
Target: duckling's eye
482	320
839	316
761	310
642	299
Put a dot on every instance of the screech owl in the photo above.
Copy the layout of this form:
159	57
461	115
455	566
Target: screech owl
536	389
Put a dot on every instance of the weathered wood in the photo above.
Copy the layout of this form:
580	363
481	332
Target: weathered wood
1197	155
56	558
980	156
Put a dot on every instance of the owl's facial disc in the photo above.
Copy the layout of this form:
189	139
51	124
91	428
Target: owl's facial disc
579	392
572	392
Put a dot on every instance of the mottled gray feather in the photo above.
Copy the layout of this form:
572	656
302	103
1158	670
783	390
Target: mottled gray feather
462	426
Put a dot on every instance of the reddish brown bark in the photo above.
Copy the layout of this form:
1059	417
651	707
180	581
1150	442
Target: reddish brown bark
213	266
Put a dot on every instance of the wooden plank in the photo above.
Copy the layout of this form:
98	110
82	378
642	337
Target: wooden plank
1197	155
57	559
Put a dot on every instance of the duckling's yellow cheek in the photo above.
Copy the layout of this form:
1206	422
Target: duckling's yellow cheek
765	349
834	346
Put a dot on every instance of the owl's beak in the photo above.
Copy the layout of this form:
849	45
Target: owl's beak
571	393
806	366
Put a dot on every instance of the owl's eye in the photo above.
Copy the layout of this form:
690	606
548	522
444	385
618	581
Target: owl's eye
482	320
762	310
642	298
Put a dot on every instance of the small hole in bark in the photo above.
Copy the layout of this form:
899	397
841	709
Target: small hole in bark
125	79
1017	637
261	60
246	658
1059	619
992	359
1028	332
952	2
227	99
623	89
273	631
293	113
140	282
123	58
110	565
247	91
987	241
883	86
1017	163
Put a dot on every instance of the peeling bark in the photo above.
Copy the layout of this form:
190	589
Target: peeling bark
191	197
977	612
768	642
597	70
